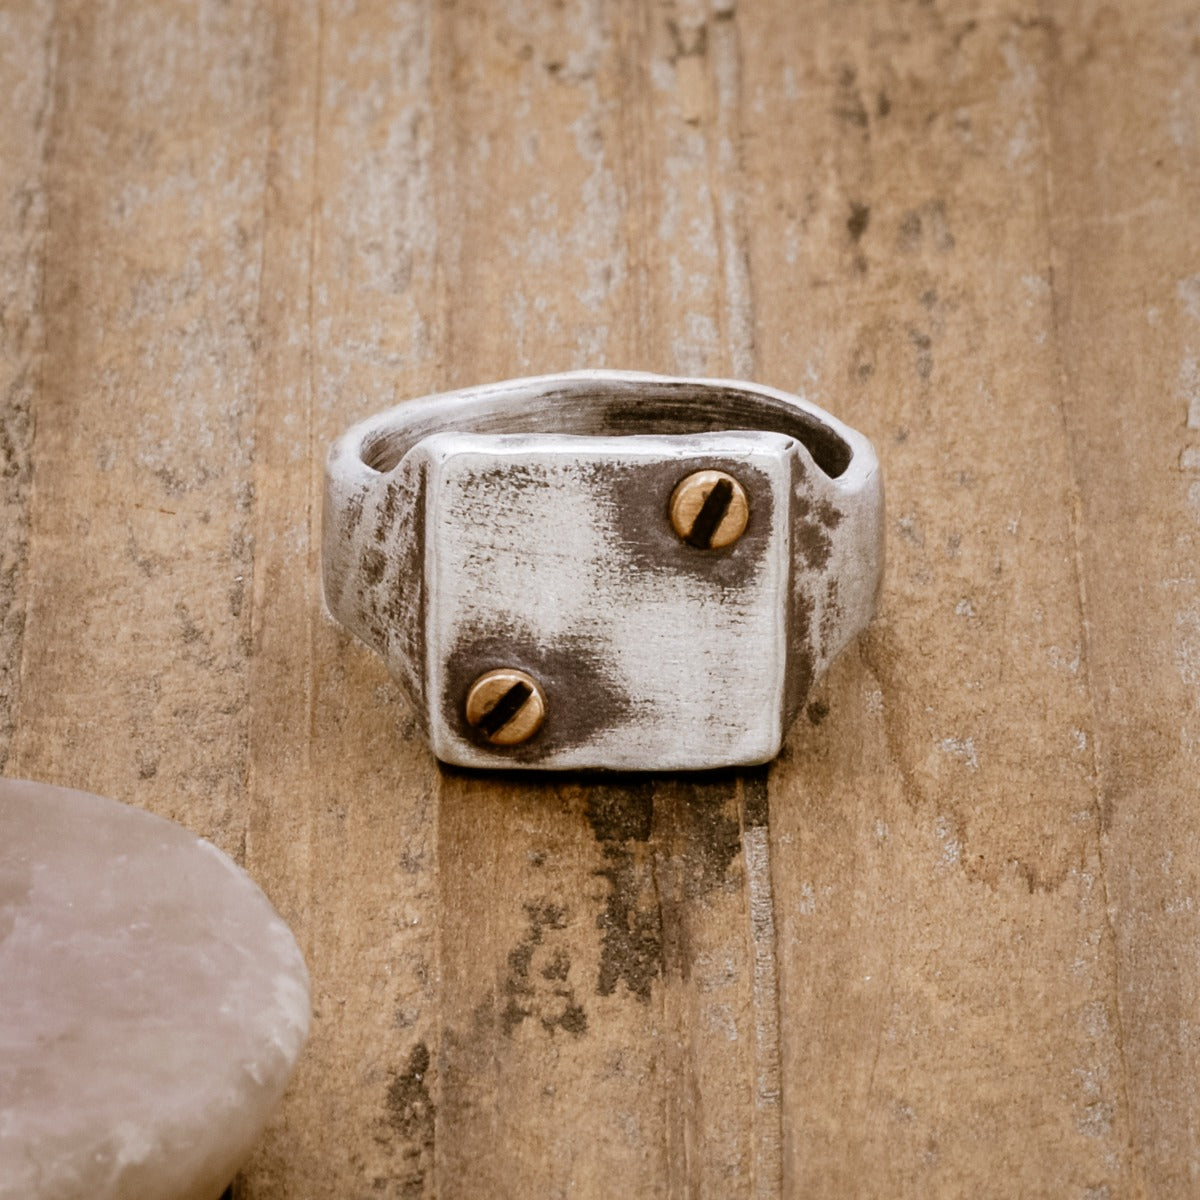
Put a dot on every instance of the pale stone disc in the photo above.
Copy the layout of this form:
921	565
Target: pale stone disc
152	1003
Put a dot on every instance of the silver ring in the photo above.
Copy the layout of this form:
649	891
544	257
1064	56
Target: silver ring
604	569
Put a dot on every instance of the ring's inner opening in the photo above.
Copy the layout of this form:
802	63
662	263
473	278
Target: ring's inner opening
658	406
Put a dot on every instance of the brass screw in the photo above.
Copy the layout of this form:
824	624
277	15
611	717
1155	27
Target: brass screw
709	510
506	706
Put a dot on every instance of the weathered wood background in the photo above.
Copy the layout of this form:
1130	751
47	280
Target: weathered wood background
947	945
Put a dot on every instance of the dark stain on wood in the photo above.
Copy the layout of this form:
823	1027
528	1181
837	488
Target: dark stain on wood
409	1104
411	1113
858	220
621	816
923	345
849	106
687	43
926	225
755	805
620	812
698	843
709	836
694	838
537	984
631	950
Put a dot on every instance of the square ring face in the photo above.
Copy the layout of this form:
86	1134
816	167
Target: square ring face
556	557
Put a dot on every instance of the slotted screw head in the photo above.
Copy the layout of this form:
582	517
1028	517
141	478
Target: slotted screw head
709	510
506	706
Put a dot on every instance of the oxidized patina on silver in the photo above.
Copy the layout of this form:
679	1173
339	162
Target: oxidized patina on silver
659	567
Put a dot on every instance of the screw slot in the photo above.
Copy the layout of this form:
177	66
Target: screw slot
709	510
506	706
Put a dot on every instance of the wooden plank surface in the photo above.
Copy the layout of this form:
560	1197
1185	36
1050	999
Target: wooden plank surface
945	946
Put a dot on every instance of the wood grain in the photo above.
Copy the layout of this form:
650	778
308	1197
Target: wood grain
1127	314
947	883
944	946
26	67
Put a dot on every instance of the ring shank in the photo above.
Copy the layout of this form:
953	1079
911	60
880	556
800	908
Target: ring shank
605	404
